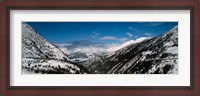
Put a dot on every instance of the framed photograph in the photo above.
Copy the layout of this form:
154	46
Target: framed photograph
114	48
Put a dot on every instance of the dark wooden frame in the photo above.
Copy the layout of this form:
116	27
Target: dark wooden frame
192	5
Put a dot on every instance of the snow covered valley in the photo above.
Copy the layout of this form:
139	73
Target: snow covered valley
157	55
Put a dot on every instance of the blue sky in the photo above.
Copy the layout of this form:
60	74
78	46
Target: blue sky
106	32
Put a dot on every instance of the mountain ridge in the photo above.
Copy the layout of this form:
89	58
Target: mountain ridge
131	59
41	56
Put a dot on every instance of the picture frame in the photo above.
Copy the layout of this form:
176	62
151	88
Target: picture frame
192	5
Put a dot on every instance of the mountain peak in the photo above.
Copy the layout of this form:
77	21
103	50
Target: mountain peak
115	48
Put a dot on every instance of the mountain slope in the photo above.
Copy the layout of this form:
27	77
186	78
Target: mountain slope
40	56
33	45
115	48
158	55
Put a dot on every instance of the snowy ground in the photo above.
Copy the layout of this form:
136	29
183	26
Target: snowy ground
43	66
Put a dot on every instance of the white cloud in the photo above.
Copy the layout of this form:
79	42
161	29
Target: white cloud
113	38
129	34
108	38
123	39
94	35
153	24
147	34
134	29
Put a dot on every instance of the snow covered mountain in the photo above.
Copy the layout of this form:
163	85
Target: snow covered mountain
41	56
34	46
115	48
82	50
158	55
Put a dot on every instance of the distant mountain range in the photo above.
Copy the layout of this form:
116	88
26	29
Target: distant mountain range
82	50
157	55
